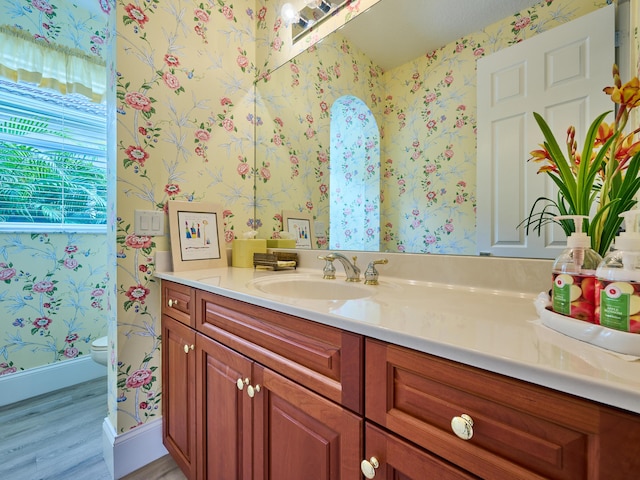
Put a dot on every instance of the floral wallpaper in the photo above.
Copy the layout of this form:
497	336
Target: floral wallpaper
55	285
53	297
74	25
185	122
426	111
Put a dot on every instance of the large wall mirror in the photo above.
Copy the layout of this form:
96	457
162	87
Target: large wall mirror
413	63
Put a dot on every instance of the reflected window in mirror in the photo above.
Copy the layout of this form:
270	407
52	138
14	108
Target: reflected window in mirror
354	176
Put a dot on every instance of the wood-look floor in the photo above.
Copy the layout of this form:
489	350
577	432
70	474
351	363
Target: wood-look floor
58	436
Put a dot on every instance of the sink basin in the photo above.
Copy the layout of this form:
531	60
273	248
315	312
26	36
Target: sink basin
311	288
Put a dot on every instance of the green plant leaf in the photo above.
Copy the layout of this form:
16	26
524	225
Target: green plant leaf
551	145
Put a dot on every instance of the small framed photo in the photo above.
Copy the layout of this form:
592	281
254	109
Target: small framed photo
197	235
300	225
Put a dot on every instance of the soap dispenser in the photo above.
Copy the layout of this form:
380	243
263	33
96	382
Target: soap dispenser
618	280
574	275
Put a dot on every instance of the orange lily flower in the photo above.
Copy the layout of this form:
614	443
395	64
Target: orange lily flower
548	169
540	155
626	149
627	94
605	132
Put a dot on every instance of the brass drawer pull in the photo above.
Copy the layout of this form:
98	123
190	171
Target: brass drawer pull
368	467
462	426
251	390
241	383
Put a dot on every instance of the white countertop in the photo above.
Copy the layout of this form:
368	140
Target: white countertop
491	329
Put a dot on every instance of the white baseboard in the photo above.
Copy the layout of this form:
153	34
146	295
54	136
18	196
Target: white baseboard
48	378
132	450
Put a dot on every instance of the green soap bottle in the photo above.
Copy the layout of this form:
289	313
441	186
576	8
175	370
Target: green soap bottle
618	280
574	275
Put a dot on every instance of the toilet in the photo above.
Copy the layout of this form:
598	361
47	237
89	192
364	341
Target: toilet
99	350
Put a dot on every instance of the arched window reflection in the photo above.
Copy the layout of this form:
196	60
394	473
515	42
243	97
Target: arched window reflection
354	176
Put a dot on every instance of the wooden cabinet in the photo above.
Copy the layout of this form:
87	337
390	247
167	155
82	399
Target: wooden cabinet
280	430
178	398
324	359
272	393
519	431
269	396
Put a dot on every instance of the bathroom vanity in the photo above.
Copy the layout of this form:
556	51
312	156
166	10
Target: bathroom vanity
413	380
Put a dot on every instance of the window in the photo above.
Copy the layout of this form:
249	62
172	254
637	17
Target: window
52	159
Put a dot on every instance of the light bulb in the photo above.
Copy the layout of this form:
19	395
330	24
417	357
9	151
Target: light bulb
289	13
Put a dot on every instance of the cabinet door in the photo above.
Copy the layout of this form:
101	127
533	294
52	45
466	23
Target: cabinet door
399	460
178	399
224	412
301	435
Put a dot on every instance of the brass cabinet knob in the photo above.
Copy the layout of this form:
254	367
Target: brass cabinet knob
251	390
462	426
187	348
241	383
172	302
368	467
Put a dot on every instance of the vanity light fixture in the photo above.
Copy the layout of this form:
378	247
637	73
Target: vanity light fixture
320	5
310	14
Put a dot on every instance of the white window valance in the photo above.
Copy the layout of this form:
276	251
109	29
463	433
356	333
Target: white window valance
26	59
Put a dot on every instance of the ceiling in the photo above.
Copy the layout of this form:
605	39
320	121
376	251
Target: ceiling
394	32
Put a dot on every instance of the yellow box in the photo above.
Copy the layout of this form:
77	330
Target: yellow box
242	250
281	243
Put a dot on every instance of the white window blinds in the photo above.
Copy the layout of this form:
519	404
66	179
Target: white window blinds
52	158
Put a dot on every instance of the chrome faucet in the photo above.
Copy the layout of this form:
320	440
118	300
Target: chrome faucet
351	269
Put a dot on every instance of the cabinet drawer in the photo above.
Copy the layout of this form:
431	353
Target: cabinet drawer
178	302
519	430
322	358
398	459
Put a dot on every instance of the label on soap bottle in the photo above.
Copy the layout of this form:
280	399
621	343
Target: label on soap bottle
574	296
619	305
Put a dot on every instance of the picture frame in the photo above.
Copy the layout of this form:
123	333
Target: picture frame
300	225
197	235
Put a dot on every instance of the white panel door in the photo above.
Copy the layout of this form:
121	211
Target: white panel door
559	74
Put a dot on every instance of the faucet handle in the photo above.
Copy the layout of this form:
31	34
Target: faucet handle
329	270
371	274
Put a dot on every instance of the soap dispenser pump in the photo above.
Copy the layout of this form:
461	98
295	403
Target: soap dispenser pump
618	280
574	275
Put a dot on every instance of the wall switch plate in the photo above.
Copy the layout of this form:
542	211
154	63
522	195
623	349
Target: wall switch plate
148	223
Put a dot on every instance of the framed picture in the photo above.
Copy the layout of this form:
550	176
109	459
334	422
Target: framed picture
300	225
197	235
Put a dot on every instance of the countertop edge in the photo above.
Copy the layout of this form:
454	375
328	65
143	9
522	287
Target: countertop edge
595	389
